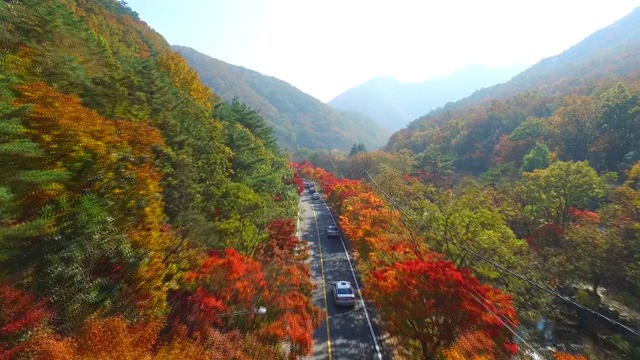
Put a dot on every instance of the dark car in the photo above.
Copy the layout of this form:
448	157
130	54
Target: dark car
332	230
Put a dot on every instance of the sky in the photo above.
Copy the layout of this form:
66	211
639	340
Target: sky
324	47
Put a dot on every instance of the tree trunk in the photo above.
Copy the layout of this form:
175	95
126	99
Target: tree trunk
427	352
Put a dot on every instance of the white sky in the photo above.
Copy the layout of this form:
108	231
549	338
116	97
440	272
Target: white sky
324	47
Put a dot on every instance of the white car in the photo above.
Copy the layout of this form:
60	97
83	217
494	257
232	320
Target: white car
332	230
343	294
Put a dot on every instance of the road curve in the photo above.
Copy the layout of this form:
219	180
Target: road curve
351	332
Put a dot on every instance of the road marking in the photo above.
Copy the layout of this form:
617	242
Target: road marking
324	286
355	280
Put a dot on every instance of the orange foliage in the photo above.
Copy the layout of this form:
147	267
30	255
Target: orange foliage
429	301
113	160
566	356
365	220
289	306
289	289
114	338
225	283
472	346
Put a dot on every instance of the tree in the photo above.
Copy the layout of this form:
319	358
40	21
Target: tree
226	282
538	158
617	126
357	148
429	301
434	166
549	194
573	125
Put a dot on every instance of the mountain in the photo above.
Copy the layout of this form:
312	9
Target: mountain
394	104
299	120
612	52
583	104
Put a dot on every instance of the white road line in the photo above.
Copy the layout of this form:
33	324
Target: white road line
355	280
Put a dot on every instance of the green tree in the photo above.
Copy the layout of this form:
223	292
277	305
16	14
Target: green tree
435	166
538	158
617	126
548	195
357	148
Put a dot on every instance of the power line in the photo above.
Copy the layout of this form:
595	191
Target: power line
505	269
511	330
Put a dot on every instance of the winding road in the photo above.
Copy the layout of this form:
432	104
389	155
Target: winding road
345	333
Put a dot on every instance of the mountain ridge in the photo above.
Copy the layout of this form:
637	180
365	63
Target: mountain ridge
394	103
299	120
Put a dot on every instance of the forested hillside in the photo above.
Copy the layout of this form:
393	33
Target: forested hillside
534	195
612	52
582	104
298	120
137	210
540	257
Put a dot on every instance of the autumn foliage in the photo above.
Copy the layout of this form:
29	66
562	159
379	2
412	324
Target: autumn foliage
20	315
137	210
430	301
422	297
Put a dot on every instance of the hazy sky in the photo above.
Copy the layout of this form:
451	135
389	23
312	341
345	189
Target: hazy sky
324	47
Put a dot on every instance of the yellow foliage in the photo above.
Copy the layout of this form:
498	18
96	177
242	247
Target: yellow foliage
186	79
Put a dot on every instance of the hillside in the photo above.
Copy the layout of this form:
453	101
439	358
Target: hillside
136	208
581	103
298	119
612	52
394	104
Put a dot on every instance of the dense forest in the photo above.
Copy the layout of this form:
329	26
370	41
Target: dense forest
138	211
535	197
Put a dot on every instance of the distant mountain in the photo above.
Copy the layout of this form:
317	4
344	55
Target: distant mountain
503	122
394	104
298	119
612	52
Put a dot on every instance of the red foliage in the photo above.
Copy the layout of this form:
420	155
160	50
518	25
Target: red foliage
547	235
289	305
297	180
430	301
282	241
510	151
20	313
585	215
227	282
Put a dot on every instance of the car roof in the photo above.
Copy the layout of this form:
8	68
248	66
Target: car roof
343	284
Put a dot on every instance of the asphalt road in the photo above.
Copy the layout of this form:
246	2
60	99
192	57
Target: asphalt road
345	333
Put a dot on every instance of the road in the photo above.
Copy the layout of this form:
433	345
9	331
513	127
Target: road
345	333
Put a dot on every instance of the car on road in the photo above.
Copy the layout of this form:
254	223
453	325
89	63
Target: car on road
332	230
343	294
315	196
312	190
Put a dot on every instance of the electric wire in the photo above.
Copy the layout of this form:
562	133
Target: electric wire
504	268
511	330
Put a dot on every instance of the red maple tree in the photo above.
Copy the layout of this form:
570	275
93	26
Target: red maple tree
430	302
